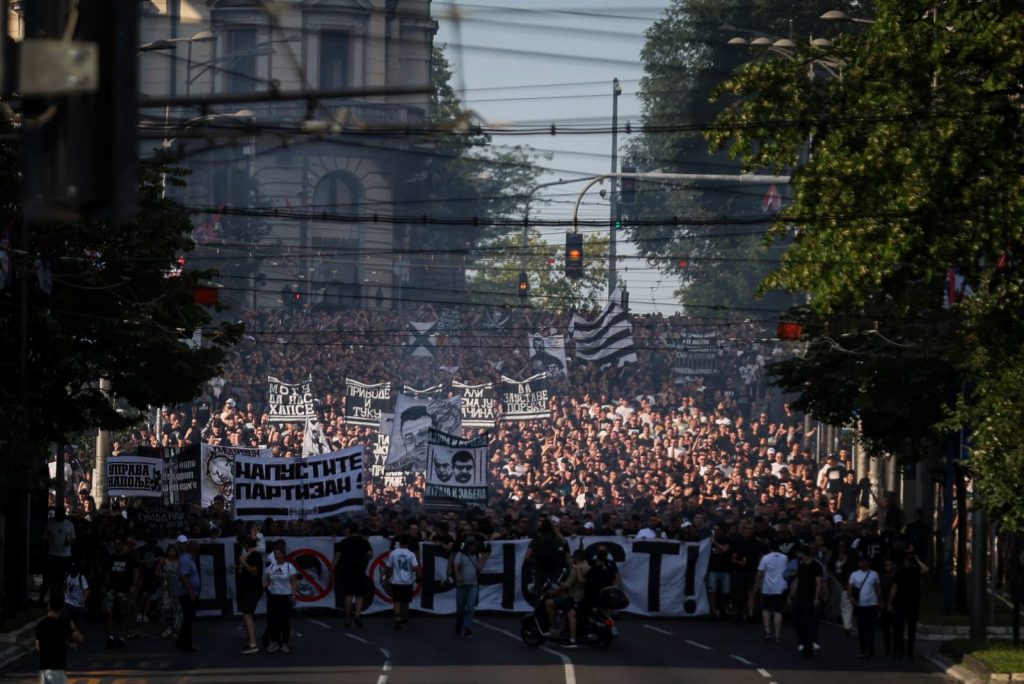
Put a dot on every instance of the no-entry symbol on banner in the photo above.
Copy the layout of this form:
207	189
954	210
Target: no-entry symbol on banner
316	579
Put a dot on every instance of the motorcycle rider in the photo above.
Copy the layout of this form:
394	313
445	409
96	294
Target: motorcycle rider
568	595
549	553
603	573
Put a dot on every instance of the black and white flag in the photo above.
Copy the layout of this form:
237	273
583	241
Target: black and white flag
314	441
478	404
526	399
495	319
422	339
697	352
291	403
364	404
456	474
547	355
314	487
427	393
608	340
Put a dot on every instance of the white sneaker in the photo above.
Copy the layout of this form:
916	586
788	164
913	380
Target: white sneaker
817	646
273	647
285	648
800	648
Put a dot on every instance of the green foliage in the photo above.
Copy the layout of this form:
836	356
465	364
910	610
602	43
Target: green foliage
114	312
914	167
496	278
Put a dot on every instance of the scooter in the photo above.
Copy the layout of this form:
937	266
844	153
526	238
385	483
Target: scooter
594	627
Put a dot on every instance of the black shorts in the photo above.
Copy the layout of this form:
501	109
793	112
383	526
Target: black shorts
401	593
247	602
773	603
354	585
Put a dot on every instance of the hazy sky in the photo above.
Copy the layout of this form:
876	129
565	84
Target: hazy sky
553	61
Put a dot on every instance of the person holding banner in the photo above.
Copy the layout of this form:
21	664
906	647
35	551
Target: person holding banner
281	581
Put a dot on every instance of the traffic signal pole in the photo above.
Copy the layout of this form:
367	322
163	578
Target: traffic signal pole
614	194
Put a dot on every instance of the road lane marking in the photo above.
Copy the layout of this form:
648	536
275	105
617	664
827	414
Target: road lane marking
570	670
385	652
741	659
764	673
322	624
357	638
698	645
659	630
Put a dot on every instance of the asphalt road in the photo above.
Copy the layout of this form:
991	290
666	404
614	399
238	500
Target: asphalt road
428	651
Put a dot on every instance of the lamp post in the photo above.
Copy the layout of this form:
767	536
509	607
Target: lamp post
614	194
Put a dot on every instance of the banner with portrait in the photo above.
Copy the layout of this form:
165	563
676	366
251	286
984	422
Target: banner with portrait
547	355
456	471
218	464
413	417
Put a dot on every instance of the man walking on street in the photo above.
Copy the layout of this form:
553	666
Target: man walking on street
808	594
188	592
863	590
402	569
771	584
52	634
350	560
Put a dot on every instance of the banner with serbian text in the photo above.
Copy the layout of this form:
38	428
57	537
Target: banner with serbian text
662	578
456	471
364	403
317	486
478	404
525	399
135	476
291	403
218	464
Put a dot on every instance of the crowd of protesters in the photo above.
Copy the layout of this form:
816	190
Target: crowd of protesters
635	451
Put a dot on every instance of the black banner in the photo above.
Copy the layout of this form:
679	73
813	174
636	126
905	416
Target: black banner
364	403
478	405
526	399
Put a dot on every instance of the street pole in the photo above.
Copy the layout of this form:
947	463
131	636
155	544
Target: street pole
614	194
99	473
979	572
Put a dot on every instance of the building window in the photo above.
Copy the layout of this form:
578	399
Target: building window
337	191
239	60
333	60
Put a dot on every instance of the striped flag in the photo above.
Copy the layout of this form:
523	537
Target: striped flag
607	340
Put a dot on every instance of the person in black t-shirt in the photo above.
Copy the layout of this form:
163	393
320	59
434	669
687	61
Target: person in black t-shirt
249	588
52	634
149	554
719	567
350	559
807	596
122	580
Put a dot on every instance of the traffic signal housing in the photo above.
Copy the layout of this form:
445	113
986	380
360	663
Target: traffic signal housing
628	184
574	255
524	285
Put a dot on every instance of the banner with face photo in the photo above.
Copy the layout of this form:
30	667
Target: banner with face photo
413	417
526	399
478	404
547	355
218	464
135	476
299	489
290	403
364	403
456	471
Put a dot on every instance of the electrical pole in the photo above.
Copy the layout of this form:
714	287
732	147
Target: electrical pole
614	194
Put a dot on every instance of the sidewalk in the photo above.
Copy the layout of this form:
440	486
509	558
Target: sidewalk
17	643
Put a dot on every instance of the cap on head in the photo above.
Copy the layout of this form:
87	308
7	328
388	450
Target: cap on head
182	539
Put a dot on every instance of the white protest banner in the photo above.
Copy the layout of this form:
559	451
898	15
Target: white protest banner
525	400
218	464
314	487
547	355
426	393
662	578
314	441
364	403
290	403
478	405
135	476
456	471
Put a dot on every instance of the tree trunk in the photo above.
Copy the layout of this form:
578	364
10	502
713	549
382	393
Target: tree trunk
961	542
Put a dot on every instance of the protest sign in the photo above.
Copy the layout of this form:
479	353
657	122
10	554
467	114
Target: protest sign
526	399
478	405
456	471
290	403
364	403
218	464
135	476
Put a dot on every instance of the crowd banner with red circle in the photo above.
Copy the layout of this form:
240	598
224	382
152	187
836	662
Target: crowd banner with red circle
662	578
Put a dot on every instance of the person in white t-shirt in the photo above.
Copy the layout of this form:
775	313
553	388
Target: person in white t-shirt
59	536
863	590
771	584
76	595
402	569
281	580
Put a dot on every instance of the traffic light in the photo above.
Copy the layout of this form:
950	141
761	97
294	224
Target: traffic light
524	285
628	193
574	255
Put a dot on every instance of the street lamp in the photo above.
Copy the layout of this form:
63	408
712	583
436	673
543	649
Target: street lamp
840	15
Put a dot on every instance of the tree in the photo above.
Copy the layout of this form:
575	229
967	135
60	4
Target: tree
496	276
912	182
470	178
118	309
686	55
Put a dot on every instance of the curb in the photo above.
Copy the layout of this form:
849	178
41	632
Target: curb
957	672
17	644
